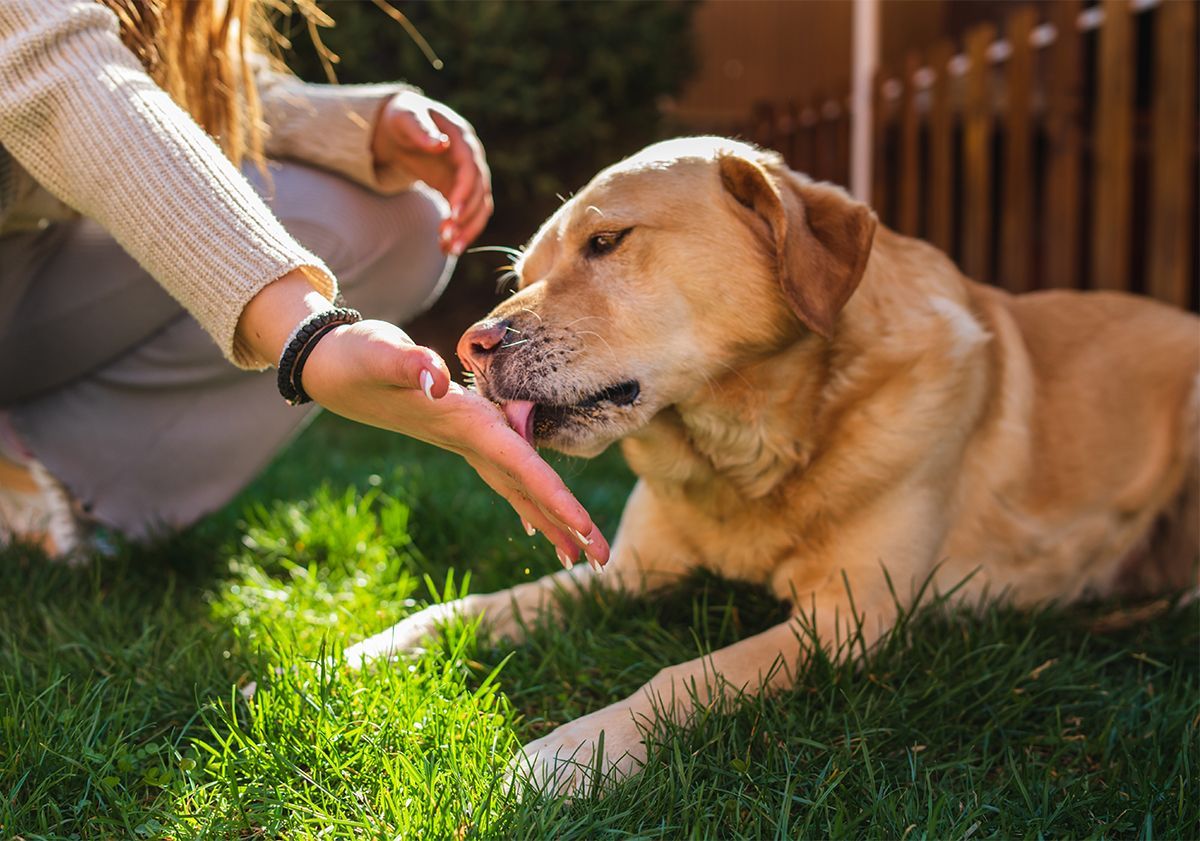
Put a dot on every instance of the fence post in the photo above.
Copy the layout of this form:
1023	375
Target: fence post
841	158
1016	221
791	123
1174	132
977	157
820	147
1112	170
910	162
763	121
941	150
865	58
879	181
806	152
1064	139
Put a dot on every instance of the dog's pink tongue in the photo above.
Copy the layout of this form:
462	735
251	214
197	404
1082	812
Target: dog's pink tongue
520	417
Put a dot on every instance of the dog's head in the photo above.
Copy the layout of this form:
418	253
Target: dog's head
669	270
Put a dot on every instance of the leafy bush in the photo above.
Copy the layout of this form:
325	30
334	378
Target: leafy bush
556	90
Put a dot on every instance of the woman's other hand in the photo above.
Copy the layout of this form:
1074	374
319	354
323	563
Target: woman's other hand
432	143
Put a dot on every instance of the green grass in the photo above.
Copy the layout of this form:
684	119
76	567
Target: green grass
124	709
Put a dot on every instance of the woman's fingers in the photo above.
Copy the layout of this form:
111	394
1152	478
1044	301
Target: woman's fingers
525	470
471	193
418	128
391	358
470	172
473	218
489	443
565	545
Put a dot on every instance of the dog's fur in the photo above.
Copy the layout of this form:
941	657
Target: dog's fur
821	399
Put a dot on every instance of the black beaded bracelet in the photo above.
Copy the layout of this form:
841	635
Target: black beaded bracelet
304	338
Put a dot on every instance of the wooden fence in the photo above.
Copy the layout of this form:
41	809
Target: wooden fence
1058	153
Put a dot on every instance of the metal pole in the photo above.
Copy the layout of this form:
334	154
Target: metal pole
864	61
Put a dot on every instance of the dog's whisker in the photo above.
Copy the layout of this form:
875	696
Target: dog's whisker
601	338
571	324
509	275
502	249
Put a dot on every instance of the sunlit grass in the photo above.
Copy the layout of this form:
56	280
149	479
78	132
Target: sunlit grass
186	690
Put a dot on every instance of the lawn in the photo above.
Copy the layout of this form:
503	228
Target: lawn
180	690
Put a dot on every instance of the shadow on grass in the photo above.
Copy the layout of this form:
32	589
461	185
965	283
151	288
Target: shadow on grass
182	689
103	672
125	703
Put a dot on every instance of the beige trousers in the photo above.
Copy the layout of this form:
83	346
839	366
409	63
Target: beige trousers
129	404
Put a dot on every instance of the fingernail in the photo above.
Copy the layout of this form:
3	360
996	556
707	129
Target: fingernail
581	538
457	249
529	530
426	379
595	565
565	560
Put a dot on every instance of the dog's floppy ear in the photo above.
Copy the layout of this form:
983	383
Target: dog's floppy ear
821	237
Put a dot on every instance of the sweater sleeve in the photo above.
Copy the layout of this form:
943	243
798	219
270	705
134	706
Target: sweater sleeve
78	112
328	126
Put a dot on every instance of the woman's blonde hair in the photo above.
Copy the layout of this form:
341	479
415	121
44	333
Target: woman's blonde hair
198	51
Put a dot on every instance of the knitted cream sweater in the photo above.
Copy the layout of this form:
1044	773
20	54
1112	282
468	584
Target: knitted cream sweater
83	128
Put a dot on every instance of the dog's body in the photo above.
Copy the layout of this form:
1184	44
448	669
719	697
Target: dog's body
816	403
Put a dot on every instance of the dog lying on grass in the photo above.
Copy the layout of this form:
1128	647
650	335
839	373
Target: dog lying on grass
813	402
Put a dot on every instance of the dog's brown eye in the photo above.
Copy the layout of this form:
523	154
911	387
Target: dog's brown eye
600	244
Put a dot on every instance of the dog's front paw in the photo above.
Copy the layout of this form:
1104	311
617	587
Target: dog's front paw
601	748
407	635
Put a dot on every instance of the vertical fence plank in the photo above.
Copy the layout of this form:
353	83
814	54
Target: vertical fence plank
879	185
1174	132
1064	141
805	143
941	150
785	133
763	120
841	158
1112	170
910	128
820	151
977	157
1016	219
830	138
791	119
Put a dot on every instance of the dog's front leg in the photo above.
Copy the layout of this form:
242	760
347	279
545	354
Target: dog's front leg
611	741
500	611
845	609
644	555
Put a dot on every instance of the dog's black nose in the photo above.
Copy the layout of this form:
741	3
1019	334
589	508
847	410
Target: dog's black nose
481	341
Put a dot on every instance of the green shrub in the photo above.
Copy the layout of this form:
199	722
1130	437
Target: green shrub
556	90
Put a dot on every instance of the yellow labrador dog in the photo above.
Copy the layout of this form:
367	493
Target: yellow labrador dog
816	403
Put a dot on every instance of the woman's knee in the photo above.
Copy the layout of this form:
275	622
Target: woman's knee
384	249
408	271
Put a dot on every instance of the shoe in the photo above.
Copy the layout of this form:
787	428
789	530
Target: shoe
34	506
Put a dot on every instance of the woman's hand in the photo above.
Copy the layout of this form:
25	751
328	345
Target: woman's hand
432	143
371	372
